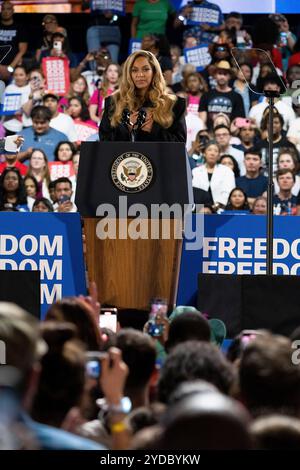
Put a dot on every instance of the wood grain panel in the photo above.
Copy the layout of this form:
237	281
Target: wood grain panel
130	272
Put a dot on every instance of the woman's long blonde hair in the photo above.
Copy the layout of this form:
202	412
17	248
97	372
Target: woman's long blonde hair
46	173
126	96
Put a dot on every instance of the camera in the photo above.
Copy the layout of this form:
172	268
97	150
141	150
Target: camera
93	369
63	198
154	329
57	45
93	364
159	305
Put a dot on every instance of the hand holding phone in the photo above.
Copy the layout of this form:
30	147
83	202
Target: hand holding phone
93	366
159	305
63	199
242	122
108	318
155	329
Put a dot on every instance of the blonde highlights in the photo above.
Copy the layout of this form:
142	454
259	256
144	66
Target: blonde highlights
126	96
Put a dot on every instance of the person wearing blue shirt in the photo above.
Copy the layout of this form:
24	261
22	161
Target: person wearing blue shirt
40	135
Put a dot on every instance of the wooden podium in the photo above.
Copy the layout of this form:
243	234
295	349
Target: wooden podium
128	273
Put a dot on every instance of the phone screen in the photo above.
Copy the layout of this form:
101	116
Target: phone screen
62	199
159	306
93	368
108	319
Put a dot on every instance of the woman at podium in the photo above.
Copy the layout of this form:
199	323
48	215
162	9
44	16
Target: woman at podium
142	109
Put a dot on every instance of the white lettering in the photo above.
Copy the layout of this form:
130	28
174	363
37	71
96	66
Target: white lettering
294	249
260	268
244	250
206	265
34	245
56	247
50	297
226	268
227	245
28	262
294	269
244	268
280	268
51	273
260	248
8	262
207	247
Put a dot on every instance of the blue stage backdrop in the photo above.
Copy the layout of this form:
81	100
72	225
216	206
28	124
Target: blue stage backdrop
50	243
237	245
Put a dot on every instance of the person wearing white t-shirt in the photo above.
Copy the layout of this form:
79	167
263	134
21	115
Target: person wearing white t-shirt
63	192
60	121
293	133
257	111
21	91
194	124
223	136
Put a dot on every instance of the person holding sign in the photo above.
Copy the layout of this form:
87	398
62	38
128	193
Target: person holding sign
201	18
142	109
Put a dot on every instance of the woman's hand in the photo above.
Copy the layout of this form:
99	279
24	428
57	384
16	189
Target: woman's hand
148	124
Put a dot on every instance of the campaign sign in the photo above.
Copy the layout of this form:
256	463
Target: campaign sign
234	244
135	44
198	56
11	104
117	6
45	242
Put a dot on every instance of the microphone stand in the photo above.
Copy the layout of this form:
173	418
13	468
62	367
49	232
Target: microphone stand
271	95
139	122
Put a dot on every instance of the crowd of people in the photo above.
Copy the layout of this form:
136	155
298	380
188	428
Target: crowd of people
226	121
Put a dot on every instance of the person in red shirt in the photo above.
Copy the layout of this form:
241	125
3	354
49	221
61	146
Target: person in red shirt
11	160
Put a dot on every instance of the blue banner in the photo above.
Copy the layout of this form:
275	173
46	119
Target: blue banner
135	44
51	243
204	15
11	104
234	244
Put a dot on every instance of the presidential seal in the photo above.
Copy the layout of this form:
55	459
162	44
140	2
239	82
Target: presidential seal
132	172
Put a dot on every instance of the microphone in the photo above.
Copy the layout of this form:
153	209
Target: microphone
125	121
141	118
125	117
